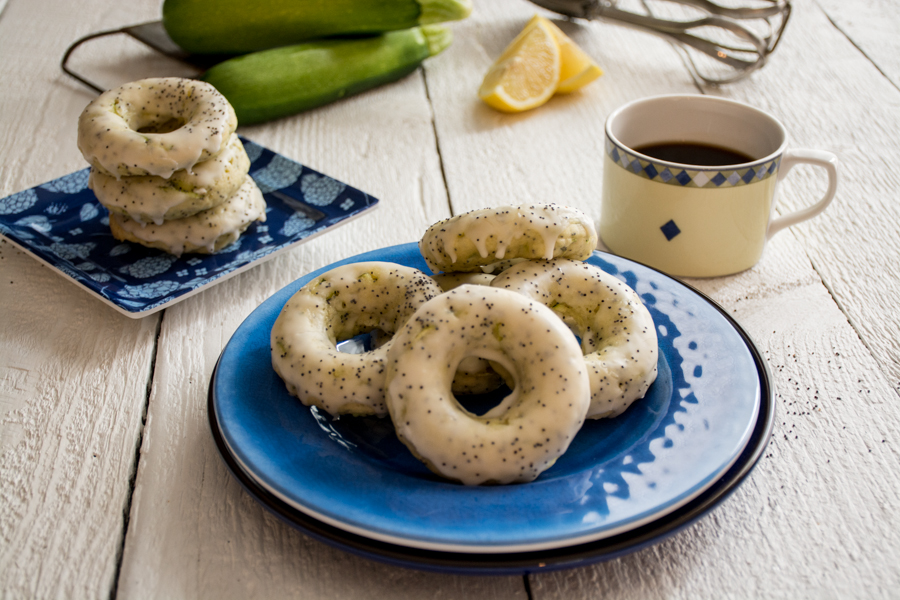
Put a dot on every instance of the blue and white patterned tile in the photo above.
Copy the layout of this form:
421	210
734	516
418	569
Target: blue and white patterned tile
62	224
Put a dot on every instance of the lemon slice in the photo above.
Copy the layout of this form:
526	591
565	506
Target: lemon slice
526	74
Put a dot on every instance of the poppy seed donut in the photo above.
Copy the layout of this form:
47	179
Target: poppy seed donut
475	375
533	426
449	281
152	199
155	127
617	333
206	232
479	238
342	303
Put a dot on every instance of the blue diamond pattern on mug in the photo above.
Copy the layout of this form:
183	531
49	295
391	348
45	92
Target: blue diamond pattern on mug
614	154
62	224
699	177
670	230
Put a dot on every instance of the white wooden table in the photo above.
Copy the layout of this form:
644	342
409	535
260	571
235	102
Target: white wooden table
110	483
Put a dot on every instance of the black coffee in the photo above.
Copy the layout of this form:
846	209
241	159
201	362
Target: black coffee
688	153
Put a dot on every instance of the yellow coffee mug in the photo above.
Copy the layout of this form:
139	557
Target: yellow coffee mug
690	181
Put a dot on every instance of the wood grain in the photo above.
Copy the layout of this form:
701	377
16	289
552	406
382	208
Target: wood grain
831	386
550	154
855	244
96	503
73	373
72	394
869	25
804	525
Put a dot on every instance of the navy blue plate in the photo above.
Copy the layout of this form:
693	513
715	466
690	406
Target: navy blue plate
61	224
619	476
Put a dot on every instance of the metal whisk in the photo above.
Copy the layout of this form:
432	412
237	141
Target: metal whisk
739	38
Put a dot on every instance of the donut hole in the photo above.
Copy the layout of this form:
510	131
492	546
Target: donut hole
364	342
481	404
496	377
159	124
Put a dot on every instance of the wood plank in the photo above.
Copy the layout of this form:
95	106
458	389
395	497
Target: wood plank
810	521
73	373
871	26
73	377
855	244
788	531
67	393
552	153
784	305
194	532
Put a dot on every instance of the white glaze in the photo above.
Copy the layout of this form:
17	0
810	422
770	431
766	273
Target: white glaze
449	281
479	238
533	426
338	305
152	199
205	232
617	333
109	136
474	375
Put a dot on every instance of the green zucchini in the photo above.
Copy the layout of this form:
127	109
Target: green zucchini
271	84
241	26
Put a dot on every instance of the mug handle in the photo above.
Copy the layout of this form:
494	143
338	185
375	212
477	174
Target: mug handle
819	158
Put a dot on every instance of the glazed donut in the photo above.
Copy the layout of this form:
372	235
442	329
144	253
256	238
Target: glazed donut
617	333
152	199
522	436
155	127
499	267
475	375
206	232
338	305
479	238
449	281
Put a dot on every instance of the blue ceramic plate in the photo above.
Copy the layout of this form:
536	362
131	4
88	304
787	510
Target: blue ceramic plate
519	563
61	224
618	475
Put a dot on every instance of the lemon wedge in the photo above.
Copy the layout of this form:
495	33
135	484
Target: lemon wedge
576	69
527	73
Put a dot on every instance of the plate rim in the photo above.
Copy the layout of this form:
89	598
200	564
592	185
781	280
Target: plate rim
562	557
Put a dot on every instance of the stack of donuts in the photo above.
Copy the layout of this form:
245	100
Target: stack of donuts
466	331
167	163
